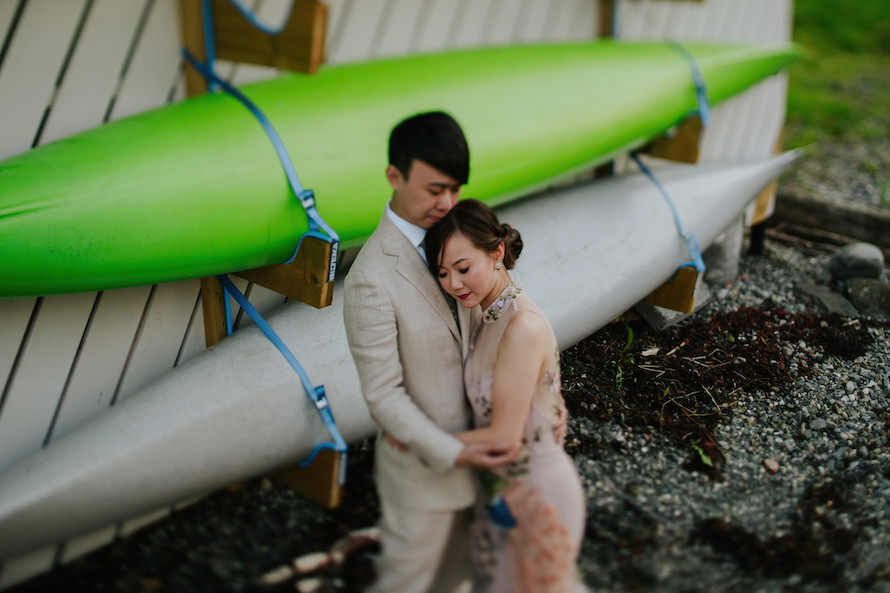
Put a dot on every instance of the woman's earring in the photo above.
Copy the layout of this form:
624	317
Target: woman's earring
497	265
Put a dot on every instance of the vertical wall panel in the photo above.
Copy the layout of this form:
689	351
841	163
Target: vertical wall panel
469	29
103	354
41	374
155	65
14	316
535	21
78	546
437	24
396	36
94	71
194	342
336	11
586	21
24	567
32	64
361	20
161	336
504	21
7	12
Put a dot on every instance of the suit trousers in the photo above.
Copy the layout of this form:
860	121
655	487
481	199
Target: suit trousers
423	551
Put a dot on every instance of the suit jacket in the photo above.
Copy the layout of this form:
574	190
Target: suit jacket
409	354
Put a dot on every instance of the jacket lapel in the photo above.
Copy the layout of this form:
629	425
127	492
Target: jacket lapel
412	268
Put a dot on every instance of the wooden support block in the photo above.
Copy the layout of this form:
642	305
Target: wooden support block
192	33
606	18
682	145
214	306
679	292
764	204
298	47
319	481
308	278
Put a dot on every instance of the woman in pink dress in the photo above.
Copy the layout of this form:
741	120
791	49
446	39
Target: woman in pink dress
530	517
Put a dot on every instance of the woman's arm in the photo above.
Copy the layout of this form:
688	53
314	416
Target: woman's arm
517	371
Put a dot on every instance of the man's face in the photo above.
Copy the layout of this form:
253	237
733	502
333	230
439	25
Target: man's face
425	196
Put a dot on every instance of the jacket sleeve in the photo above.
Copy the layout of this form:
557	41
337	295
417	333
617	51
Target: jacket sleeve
372	331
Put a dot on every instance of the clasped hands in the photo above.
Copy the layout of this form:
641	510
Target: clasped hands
491	455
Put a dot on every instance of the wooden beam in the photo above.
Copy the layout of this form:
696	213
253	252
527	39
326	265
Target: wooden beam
214	306
192	32
681	144
319	481
606	18
308	278
299	46
679	292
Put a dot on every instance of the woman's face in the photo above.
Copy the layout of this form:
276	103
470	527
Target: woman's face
467	273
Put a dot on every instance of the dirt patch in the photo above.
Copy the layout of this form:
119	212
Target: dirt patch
683	380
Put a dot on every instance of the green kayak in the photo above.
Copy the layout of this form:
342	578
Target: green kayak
195	188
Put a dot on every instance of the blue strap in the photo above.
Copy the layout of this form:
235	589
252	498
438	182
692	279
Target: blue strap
316	393
701	89
691	241
317	225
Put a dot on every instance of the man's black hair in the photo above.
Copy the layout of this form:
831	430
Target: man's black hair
434	138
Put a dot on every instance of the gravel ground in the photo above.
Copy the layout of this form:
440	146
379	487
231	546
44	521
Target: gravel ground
778	480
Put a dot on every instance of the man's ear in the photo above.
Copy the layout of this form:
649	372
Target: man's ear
394	176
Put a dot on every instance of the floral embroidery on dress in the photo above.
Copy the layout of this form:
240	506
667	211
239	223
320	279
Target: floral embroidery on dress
507	297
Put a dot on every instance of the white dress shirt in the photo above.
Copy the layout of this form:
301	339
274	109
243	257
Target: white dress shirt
414	233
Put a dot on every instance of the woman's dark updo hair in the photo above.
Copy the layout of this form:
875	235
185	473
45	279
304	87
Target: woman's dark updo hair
480	225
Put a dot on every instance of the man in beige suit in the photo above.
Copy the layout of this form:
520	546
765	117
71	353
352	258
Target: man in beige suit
409	343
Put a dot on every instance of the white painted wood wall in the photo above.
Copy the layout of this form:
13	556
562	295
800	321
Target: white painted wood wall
71	65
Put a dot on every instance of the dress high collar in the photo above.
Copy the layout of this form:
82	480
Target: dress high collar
495	310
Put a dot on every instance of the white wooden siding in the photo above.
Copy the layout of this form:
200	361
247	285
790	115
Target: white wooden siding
70	65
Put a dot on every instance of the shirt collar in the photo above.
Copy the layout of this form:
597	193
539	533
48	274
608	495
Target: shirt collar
414	233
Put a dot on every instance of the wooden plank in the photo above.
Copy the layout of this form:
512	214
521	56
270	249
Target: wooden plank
102	357
22	568
191	31
157	345
43	369
32	63
299	46
606	14
214	312
94	71
154	68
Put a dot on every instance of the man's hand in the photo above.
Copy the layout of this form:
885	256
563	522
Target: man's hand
486	456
